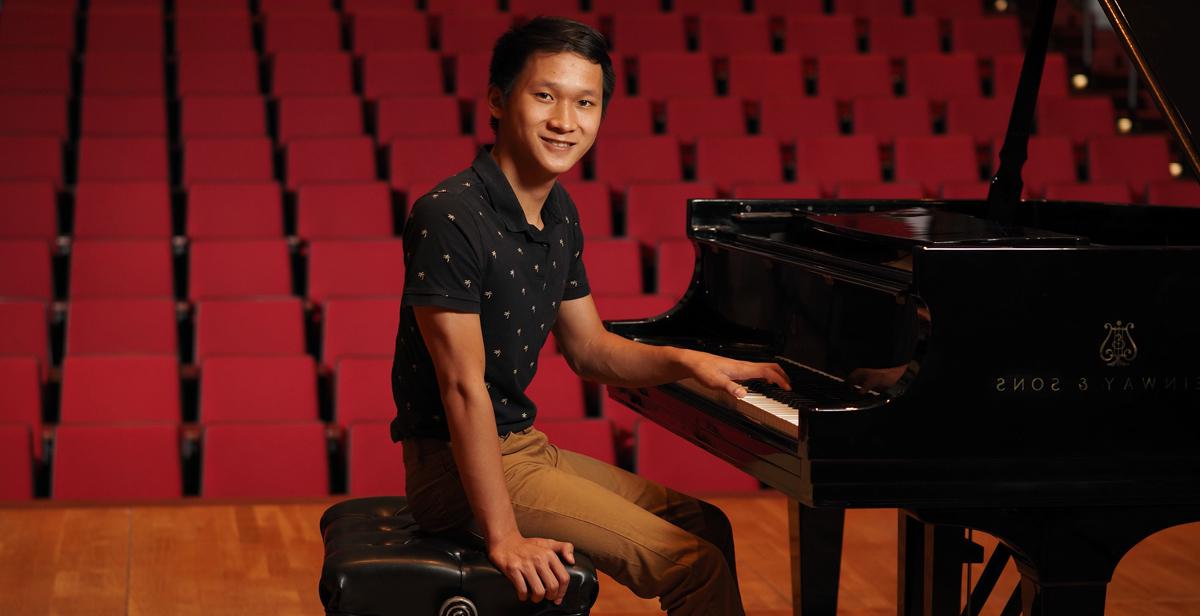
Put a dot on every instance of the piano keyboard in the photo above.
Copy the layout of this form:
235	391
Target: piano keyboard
779	409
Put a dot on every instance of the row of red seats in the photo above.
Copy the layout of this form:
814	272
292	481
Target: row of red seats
659	75
122	462
629	33
443	116
416	164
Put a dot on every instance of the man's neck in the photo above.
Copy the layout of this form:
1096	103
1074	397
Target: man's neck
531	189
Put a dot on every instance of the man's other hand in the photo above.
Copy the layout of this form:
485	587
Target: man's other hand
533	566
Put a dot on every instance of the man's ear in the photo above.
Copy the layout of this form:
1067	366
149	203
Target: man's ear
495	98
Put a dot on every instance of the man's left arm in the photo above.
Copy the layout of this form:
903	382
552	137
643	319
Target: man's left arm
601	356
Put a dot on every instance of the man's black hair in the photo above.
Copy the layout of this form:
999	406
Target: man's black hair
547	35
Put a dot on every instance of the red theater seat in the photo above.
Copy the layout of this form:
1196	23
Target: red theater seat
26	273
424	116
389	31
123	210
777	190
117	463
120	388
25	331
880	190
31	158
658	210
125	31
20	391
614	7
676	264
402	73
249	327
731	160
724	34
625	117
814	35
1174	192
690	118
788	7
375	464
428	159
831	160
359	328
1006	72
1051	161
344	211
237	465
637	33
947	8
123	158
33	115
663	75
236	159
1135	160
224	31
362	390
217	73
621	160
556	390
355	268
590	437
974	191
703	7
345	159
934	160
16	463
766	75
1098	192
984	119
900	36
35	71
472	32
319	116
231	269
105	115
37	29
121	268
986	35
297	6
1077	118
188	7
943	76
302	31
793	118
592	201
311	73
471	75
666	458
847	76
28	211
242	210
889	118
123	72
620	307
115	326
282	388
223	116
614	266
868	8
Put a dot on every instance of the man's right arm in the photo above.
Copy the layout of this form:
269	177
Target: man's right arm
455	343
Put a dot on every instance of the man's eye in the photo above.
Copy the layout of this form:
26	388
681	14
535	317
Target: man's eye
587	103
543	95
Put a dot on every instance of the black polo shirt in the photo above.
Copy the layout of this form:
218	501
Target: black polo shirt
468	248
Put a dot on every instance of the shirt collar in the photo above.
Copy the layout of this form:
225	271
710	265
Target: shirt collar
504	200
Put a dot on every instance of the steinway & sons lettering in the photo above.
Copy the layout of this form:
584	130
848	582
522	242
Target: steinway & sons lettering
1025	384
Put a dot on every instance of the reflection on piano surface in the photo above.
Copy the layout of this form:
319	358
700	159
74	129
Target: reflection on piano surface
1027	369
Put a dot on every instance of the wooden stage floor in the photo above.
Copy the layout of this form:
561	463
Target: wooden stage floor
195	558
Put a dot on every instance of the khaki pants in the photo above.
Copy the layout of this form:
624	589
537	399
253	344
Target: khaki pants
656	541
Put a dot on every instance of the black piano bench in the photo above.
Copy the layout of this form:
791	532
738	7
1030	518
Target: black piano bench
379	563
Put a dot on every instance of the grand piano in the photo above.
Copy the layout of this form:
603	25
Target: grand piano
1027	369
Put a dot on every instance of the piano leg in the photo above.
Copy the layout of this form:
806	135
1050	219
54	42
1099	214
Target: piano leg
929	571
815	536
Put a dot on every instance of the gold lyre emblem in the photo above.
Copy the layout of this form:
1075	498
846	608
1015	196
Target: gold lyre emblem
1118	348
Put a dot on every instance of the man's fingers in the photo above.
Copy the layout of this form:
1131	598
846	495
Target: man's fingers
563	579
780	377
537	591
518	581
735	389
568	552
549	579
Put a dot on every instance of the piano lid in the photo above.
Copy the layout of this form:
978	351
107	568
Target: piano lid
1157	35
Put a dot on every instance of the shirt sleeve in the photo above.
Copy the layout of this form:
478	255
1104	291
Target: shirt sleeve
443	256
577	280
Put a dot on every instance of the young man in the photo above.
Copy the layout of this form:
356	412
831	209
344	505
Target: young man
494	264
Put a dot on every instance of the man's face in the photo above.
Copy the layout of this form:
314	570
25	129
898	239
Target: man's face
552	114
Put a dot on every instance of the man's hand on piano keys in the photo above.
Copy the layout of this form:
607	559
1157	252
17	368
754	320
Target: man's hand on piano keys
723	373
